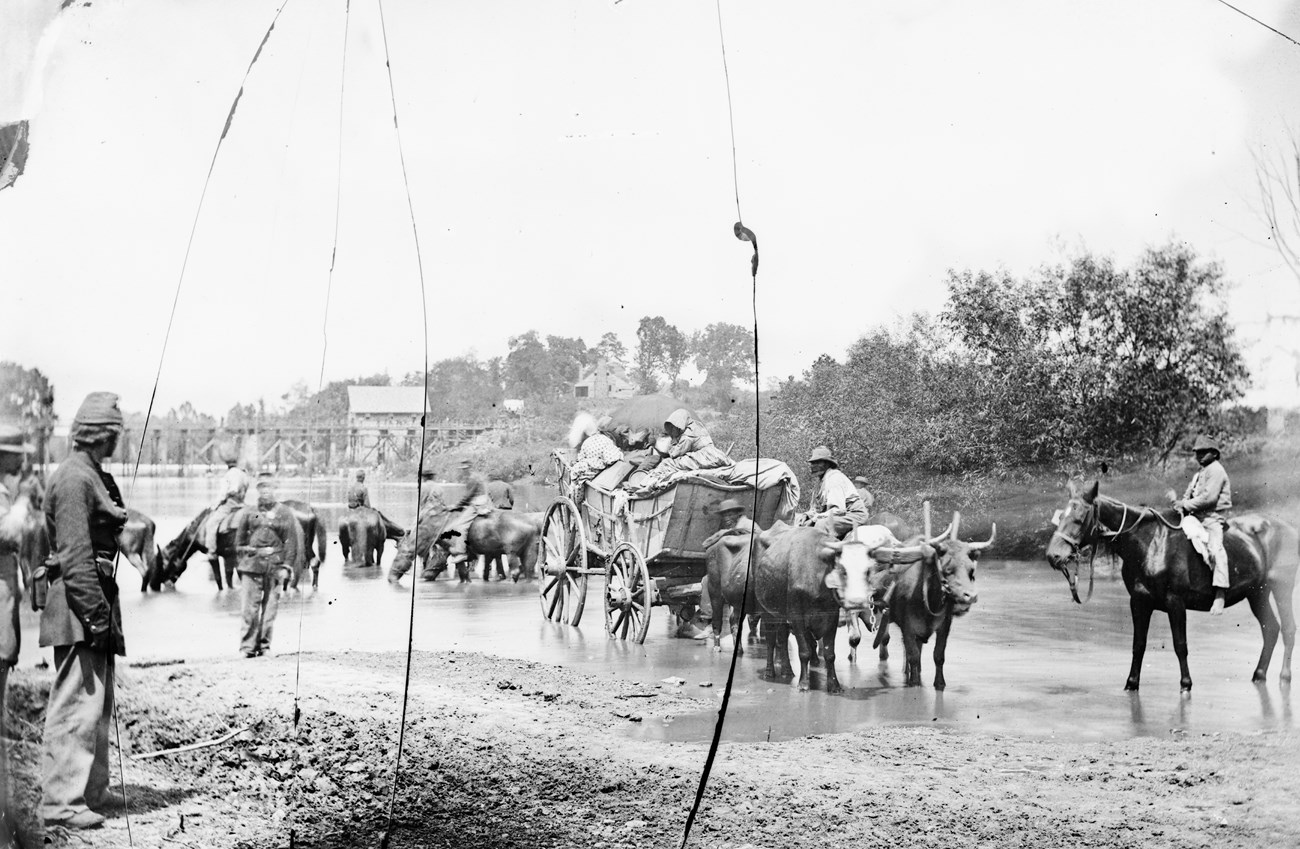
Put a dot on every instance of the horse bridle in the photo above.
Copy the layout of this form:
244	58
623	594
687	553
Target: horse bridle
1089	527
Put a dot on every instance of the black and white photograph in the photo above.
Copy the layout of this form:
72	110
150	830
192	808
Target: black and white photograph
649	424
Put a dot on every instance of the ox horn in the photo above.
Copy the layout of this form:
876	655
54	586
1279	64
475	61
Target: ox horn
980	546
955	526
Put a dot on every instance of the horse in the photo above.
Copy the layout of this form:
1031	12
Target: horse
1162	571
191	541
28	531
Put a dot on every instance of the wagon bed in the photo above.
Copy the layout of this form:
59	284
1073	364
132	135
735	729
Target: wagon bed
649	549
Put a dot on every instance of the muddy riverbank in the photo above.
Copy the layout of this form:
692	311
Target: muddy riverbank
512	753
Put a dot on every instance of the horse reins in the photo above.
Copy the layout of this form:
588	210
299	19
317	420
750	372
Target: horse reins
1092	524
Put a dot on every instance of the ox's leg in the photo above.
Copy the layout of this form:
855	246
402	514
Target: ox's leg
807	650
1268	625
912	663
754	620
941	650
1286	612
828	654
1141	612
1178	627
775	642
855	636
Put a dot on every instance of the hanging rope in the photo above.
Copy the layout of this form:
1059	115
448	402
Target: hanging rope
329	285
740	231
419	486
162	356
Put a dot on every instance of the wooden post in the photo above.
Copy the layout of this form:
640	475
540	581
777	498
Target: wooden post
925	519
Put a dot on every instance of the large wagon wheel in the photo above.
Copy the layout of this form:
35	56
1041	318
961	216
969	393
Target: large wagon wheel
627	594
561	564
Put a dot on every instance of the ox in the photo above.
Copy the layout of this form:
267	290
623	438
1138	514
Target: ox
922	597
726	563
803	580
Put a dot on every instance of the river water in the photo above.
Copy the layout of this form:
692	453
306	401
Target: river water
1026	661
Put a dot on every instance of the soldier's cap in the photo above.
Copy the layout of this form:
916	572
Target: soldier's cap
862	479
1205	443
265	477
12	442
731	505
98	408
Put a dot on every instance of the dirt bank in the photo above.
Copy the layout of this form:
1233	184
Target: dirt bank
508	753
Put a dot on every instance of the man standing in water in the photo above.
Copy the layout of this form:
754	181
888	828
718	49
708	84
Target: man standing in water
269	540
82	619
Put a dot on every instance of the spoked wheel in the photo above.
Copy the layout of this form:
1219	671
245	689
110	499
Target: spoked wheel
561	564
627	594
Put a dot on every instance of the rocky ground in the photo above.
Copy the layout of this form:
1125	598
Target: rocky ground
506	753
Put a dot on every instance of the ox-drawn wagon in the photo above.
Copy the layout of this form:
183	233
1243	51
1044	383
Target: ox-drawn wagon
648	549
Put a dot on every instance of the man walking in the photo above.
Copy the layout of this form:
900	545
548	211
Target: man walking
268	540
82	619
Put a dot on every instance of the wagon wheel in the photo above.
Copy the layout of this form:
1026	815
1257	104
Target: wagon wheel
627	594
561	581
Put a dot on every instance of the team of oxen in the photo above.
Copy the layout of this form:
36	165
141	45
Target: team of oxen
806	583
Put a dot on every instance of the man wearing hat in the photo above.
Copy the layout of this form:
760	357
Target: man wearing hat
734	523
1209	498
269	542
358	494
13	455
836	506
234	486
82	620
474	503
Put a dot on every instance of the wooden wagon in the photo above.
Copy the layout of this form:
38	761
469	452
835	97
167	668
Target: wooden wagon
649	550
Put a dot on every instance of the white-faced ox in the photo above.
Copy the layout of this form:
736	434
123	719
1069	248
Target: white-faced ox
937	584
804	579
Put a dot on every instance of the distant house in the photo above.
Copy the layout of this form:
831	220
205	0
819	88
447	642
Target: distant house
385	422
604	380
376	407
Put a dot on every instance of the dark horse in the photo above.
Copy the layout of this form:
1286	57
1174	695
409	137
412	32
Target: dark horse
190	541
1163	572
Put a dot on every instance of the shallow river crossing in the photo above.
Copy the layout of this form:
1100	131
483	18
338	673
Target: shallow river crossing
1026	661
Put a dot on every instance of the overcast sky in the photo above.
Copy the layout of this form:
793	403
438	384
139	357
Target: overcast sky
570	168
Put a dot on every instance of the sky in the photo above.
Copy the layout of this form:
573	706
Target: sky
570	171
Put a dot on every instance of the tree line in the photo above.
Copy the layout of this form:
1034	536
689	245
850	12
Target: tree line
1078	361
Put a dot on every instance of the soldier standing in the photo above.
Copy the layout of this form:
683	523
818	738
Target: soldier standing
269	540
13	454
82	619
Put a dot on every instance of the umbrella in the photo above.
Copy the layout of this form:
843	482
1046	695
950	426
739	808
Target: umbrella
646	412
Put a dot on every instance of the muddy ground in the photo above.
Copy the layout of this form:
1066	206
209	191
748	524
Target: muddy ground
507	753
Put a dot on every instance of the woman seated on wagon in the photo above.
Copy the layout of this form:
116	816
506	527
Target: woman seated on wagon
596	451
690	449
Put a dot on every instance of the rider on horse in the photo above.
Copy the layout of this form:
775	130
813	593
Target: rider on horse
233	489
1209	498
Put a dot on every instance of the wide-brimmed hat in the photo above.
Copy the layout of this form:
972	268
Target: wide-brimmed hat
822	453
1205	443
12	442
862	479
729	505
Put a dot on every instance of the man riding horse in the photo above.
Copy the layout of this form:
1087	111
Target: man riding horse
1208	499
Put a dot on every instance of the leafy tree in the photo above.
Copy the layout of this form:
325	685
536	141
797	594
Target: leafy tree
566	357
526	366
25	393
724	352
1089	358
610	348
661	349
328	406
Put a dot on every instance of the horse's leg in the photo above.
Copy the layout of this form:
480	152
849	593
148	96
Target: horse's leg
216	573
1268	625
940	651
1286	613
1178	626
1141	611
